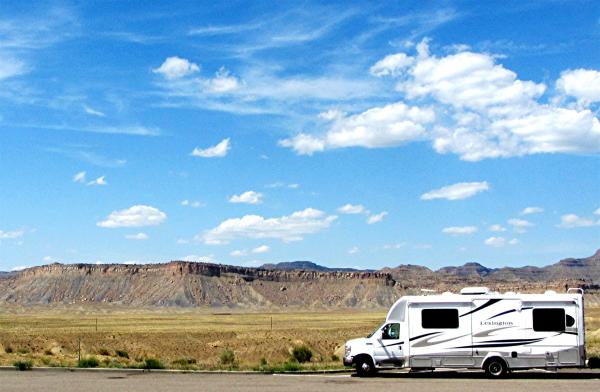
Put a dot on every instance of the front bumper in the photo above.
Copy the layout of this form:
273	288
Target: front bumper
348	361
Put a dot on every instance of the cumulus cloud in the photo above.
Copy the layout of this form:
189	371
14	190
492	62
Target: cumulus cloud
137	237
261	249
476	108
98	181
286	228
223	82
459	191
11	235
79	177
496	228
375	218
249	197
352	209
570	221
532	210
353	250
582	84
176	67
520	225
387	126
238	253
193	204
459	230
134	216
218	151
499	242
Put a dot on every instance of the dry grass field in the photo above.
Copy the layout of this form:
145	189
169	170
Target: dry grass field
190	338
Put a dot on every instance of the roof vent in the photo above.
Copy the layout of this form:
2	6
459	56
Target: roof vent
475	291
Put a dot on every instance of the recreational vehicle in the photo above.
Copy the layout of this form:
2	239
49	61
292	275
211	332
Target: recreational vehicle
475	329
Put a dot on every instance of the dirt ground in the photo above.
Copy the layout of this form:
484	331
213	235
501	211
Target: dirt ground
190	338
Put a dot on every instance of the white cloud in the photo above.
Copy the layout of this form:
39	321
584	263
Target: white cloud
217	151
459	230
459	191
532	210
238	253
387	126
49	259
182	241
391	65
79	177
193	204
375	218
570	221
597	212
199	258
134	216
352	209
176	67
98	181
11	67
496	228
286	228
223	82
353	250
261	249
499	242
11	235
583	84
394	246
477	109
93	111
19	268
520	225
249	197
137	237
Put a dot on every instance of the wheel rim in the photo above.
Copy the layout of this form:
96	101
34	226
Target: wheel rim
495	368
365	367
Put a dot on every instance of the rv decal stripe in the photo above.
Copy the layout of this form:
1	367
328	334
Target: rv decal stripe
485	305
510	340
422	336
394	344
503	313
501	344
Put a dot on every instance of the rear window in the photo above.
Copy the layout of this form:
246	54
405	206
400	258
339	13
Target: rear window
439	318
549	320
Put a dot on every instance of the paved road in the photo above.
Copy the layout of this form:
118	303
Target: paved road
66	381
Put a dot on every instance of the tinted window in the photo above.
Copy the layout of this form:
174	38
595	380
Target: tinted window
439	318
391	331
548	320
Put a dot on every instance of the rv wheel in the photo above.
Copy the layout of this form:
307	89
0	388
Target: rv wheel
365	367
495	367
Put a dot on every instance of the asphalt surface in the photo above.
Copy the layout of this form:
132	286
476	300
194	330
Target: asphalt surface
92	381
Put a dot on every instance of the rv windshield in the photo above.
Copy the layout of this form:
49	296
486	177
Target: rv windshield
376	329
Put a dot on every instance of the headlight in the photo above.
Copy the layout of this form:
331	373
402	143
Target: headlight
347	351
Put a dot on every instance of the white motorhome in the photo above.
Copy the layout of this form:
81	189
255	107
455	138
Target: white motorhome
475	329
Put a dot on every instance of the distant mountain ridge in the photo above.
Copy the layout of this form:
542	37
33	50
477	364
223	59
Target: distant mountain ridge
300	284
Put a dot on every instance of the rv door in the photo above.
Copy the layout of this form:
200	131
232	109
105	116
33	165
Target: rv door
388	346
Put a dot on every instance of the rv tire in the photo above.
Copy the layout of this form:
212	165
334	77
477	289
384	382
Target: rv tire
495	367
365	366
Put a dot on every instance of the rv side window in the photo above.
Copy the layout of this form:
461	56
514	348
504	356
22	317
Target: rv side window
549	320
391	331
439	318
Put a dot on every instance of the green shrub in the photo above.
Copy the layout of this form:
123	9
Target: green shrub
302	354
48	352
227	357
153	363
23	365
263	361
8	350
122	354
114	364
103	351
335	358
45	361
594	362
89	362
291	366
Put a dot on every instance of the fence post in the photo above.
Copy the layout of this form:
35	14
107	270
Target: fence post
79	351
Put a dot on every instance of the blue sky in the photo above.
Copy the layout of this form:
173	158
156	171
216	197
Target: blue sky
349	134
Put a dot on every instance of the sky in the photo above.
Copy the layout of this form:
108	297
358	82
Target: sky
352	134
